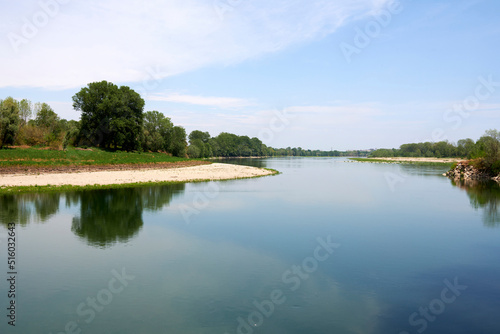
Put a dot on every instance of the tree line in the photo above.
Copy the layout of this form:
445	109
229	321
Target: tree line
113	118
202	145
486	150
25	123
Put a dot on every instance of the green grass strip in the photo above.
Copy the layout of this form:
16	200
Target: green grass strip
75	157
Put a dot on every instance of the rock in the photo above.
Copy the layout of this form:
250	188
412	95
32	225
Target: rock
467	172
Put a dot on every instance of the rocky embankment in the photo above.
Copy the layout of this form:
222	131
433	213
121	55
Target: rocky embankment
466	172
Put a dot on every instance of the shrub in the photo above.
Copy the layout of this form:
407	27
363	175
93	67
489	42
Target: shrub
31	135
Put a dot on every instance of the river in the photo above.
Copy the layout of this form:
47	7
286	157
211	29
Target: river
327	246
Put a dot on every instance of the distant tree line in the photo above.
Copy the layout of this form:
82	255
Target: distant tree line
202	145
486	150
112	118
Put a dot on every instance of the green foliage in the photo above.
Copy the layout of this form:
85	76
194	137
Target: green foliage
178	144
442	149
490	144
9	121
194	151
417	163
204	137
111	115
157	130
32	135
201	145
49	123
485	151
72	131
45	116
465	147
25	111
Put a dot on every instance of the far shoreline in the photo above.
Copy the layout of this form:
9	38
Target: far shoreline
411	160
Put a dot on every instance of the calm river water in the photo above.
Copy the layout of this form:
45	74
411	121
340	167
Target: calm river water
328	246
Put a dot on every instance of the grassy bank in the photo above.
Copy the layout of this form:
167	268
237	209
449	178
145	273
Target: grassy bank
411	162
77	157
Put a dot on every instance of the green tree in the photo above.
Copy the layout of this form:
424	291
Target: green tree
465	147
178	144
488	149
227	144
9	121
45	116
199	144
194	151
48	122
127	120
25	111
71	136
199	135
111	115
157	131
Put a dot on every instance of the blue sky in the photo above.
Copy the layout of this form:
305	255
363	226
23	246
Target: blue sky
346	74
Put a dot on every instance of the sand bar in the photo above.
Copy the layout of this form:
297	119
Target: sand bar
403	159
215	171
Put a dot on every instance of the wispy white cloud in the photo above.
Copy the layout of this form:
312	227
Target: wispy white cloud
295	125
118	40
219	102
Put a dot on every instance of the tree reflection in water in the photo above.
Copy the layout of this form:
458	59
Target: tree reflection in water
106	216
24	208
485	196
110	216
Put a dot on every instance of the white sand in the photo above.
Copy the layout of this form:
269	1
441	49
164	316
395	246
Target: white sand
215	171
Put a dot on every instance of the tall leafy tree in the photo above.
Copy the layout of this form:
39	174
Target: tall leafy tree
45	116
199	146
72	129
178	145
48	121
157	131
488	148
111	115
465	147
127	120
9	121
25	111
204	137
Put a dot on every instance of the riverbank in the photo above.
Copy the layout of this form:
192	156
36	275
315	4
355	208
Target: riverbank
422	161
466	171
204	172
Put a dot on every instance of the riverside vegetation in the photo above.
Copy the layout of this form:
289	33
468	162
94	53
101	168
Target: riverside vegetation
112	120
482	156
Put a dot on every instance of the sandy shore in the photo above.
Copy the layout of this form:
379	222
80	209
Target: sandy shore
215	171
401	159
